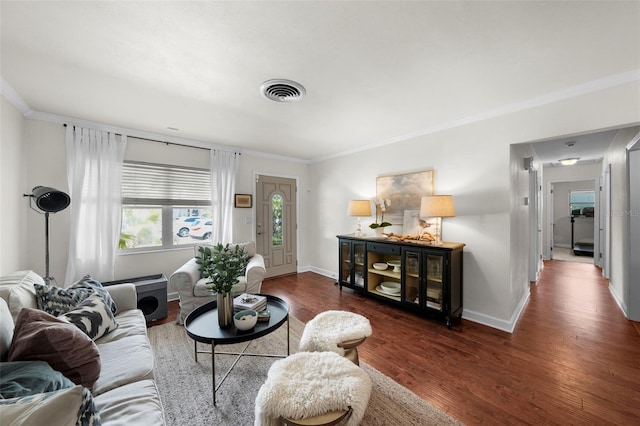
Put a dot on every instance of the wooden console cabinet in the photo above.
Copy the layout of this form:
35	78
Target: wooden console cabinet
419	277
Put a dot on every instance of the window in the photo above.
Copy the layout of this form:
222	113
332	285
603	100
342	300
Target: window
582	203
164	206
276	220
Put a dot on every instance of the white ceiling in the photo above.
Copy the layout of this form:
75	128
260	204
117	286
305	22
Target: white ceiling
374	72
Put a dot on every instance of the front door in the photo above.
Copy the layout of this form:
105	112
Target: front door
276	224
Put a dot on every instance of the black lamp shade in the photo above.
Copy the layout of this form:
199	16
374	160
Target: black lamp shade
49	199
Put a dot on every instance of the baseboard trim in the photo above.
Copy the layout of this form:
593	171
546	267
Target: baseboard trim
498	323
619	301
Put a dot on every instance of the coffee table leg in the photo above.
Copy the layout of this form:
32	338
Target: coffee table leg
288	340
213	371
195	350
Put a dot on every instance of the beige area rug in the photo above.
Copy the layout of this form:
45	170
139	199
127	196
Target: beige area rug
185	385
566	254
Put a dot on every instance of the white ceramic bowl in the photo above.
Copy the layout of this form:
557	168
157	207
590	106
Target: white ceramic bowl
245	320
391	287
380	266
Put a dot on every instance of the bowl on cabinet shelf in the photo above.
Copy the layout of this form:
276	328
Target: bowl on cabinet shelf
391	287
396	265
380	266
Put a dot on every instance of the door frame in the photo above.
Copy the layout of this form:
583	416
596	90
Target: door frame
256	175
596	218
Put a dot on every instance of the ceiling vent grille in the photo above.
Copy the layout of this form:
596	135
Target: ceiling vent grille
282	90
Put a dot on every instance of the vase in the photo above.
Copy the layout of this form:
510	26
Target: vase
379	231
225	309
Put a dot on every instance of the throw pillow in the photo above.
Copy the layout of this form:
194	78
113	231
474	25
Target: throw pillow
24	378
57	301
41	336
67	407
92	316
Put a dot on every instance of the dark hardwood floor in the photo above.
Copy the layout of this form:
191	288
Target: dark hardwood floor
572	359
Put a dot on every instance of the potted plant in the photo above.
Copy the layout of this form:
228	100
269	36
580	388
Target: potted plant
221	265
381	204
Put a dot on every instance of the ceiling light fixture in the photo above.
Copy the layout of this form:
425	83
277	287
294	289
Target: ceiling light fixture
284	91
568	161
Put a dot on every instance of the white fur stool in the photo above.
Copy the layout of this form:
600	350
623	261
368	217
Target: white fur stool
313	388
336	331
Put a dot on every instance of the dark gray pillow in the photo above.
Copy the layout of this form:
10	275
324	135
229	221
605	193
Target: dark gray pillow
24	378
57	301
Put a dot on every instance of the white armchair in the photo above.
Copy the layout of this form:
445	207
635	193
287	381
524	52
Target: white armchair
192	289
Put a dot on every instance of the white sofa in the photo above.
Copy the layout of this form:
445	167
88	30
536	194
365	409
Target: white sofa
192	289
125	392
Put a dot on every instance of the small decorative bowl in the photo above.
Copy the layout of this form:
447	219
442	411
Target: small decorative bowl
380	266
245	320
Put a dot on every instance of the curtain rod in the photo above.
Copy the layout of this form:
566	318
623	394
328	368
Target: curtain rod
168	143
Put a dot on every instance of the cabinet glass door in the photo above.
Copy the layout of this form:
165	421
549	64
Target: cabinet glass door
411	290
434	270
358	264
345	262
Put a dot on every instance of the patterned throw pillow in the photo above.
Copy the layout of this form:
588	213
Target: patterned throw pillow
92	316
57	301
71	406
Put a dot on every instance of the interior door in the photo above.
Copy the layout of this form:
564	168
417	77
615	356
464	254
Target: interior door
276	224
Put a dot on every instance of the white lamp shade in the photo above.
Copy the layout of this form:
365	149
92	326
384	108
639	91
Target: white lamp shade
359	208
437	206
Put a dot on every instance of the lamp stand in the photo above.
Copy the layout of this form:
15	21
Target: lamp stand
47	278
359	228
438	236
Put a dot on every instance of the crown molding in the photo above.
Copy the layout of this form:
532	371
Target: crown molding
550	98
14	98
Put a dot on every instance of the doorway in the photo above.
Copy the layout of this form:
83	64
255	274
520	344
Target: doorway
276	224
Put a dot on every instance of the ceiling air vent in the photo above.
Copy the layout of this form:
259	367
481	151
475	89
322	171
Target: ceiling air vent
282	90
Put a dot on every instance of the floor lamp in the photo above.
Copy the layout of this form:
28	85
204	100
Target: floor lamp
47	200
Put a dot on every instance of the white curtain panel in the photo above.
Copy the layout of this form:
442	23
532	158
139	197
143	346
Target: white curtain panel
94	171
224	168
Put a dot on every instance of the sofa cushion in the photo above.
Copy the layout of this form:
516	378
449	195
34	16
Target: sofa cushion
41	336
130	323
92	316
66	407
24	378
136	403
57	301
115	372
6	329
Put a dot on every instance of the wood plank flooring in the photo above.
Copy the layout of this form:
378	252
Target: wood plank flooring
572	359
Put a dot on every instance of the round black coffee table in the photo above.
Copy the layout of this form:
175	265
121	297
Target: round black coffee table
202	326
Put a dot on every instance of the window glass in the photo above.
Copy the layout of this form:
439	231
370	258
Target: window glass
276	219
582	203
164	206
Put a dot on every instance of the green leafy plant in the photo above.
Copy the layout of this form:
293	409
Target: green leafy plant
381	204
126	240
379	225
222	265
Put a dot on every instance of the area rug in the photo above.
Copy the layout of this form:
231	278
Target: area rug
186	393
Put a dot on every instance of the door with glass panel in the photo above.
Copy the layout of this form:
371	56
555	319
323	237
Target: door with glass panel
276	224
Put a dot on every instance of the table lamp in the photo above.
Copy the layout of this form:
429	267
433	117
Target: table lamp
437	206
359	208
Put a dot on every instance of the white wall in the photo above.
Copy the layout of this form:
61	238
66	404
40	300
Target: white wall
619	280
13	173
46	149
471	162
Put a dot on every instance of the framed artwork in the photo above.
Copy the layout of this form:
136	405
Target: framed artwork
243	201
402	192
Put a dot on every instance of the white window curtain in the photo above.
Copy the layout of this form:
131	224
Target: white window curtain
94	171
224	168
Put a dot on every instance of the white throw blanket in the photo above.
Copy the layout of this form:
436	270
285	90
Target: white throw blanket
330	328
308	384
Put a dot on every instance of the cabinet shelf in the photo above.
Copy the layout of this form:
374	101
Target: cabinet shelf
430	276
